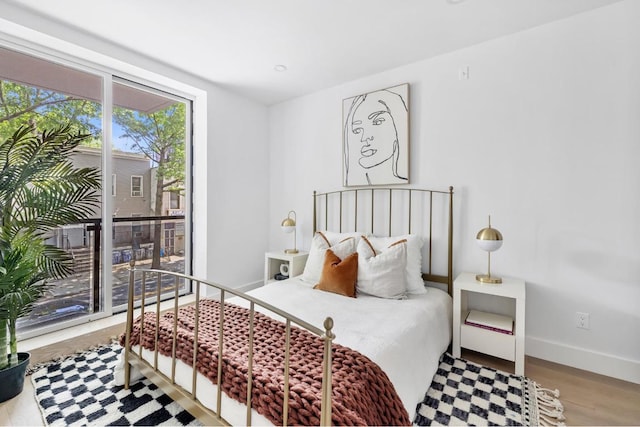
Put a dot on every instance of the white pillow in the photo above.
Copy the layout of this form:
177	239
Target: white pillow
315	260
334	237
415	284
382	274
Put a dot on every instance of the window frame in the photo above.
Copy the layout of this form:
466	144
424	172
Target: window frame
34	43
141	186
174	197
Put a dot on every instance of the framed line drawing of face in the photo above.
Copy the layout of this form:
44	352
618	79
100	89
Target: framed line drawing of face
375	137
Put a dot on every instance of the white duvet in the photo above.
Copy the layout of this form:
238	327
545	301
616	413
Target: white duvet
404	337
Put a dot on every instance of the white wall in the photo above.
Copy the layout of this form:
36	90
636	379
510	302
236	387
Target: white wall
545	137
237	190
230	172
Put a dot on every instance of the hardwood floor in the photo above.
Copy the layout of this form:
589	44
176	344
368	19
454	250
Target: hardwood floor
588	398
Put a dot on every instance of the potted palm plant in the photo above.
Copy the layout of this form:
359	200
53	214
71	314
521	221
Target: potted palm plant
40	190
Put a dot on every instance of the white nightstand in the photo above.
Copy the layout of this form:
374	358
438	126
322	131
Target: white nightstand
506	298
273	260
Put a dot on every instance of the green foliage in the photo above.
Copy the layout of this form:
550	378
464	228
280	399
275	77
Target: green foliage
160	136
44	109
40	190
20	273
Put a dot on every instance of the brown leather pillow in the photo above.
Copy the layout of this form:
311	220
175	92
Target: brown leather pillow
339	276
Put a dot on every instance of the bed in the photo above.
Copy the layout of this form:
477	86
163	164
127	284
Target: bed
383	346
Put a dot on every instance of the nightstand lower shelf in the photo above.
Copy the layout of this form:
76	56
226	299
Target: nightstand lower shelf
489	342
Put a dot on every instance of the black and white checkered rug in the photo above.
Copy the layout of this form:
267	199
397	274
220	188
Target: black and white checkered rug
465	393
77	391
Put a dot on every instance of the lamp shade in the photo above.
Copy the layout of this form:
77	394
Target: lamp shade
288	225
489	239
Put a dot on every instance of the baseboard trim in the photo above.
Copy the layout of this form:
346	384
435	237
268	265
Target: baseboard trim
581	358
250	286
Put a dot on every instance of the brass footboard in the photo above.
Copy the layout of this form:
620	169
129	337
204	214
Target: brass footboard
167	381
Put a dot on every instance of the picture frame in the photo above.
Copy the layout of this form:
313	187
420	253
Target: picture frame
375	137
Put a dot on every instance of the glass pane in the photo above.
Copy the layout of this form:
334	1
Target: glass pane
43	96
148	158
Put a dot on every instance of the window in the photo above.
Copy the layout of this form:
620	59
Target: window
136	227
136	186
151	143
46	93
175	200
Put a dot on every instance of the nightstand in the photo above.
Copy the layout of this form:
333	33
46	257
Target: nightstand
273	260
506	298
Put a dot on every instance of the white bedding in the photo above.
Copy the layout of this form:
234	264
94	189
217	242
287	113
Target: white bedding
404	337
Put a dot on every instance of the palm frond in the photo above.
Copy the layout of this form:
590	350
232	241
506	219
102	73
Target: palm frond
56	262
40	190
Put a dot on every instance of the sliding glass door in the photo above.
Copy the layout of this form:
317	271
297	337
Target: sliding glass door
139	140
42	95
150	134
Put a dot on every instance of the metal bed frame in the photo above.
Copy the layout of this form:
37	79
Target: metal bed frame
188	399
381	201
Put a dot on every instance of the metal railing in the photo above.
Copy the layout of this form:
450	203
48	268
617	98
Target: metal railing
83	293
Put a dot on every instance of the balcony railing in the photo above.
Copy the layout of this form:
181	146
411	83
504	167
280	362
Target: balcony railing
83	293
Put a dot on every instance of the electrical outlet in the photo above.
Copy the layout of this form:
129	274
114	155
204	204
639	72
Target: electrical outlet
582	320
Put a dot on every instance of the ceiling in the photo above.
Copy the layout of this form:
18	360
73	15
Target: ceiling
323	43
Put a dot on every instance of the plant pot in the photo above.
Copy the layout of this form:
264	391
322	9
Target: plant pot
12	378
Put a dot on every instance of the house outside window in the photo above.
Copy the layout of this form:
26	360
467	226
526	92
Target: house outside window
113	185
136	186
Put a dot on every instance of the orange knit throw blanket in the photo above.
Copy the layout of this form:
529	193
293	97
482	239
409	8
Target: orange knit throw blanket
362	394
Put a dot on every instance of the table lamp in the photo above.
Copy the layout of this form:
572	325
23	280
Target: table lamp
289	225
489	239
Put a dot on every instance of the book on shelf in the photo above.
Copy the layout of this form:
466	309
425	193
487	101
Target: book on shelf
491	321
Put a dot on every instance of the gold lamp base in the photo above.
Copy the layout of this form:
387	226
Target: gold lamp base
289	225
485	278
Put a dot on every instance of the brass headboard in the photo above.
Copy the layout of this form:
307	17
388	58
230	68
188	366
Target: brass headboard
390	211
